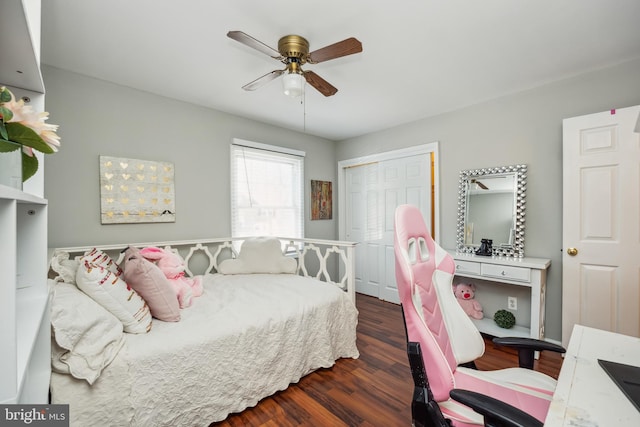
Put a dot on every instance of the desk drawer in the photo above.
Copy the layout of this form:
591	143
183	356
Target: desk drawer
520	274
467	267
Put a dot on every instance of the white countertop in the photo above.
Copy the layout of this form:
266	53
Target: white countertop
585	395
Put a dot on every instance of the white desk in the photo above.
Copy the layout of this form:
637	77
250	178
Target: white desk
585	395
527	272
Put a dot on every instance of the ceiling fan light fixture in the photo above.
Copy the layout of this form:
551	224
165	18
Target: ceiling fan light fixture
293	84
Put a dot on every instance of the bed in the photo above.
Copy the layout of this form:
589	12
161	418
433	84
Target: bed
246	337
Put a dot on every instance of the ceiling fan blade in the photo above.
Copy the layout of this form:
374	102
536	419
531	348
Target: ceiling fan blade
323	86
345	47
246	39
261	81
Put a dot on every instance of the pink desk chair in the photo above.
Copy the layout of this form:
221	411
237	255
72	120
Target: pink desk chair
441	338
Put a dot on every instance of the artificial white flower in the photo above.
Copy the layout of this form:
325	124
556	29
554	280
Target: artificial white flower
25	115
21	125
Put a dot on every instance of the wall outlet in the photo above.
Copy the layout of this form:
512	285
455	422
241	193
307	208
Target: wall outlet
512	303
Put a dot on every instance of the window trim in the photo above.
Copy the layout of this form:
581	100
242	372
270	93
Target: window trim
268	147
273	149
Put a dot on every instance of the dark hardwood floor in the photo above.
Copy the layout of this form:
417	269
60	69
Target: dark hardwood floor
374	390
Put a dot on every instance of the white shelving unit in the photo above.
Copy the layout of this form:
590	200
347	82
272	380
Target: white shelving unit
25	331
528	272
24	298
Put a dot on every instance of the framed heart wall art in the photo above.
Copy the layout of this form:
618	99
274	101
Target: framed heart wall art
136	191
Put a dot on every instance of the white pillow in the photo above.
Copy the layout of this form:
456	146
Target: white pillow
259	255
111	292
85	336
65	268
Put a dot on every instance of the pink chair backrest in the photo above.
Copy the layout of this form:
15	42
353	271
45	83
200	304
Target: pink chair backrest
424	270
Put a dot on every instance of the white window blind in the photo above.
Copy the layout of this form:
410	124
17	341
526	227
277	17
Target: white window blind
267	193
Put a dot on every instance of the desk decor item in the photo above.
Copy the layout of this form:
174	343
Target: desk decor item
486	247
505	319
136	191
23	128
465	294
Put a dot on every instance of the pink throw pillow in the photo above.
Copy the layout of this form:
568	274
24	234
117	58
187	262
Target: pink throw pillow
150	282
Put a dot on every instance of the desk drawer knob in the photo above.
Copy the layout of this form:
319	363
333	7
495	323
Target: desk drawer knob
504	273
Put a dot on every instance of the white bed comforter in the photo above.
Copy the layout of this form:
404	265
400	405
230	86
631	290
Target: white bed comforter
245	338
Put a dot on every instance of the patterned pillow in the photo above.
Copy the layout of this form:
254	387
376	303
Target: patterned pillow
111	292
149	281
96	256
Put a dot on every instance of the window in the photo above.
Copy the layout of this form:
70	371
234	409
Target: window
267	195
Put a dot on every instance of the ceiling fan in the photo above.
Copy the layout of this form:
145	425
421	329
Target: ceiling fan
293	51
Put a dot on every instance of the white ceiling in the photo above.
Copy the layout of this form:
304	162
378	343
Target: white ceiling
420	57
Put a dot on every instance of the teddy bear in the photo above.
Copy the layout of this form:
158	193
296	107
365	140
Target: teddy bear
465	293
172	265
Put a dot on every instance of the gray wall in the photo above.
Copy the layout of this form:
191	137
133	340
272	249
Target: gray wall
99	118
525	128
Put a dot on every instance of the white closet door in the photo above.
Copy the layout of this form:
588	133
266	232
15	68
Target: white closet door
601	232
362	219
406	180
373	193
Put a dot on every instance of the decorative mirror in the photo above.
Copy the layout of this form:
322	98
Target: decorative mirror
491	205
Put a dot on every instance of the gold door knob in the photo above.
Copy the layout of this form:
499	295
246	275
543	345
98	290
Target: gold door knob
572	251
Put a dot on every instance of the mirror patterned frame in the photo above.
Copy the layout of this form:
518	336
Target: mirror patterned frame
517	248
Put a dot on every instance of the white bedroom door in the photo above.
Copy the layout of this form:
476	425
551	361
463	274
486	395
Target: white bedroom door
601	232
373	191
